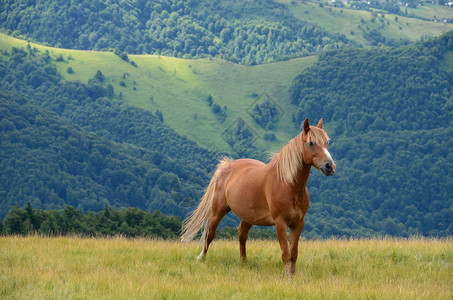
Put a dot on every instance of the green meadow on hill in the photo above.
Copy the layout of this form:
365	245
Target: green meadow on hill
179	88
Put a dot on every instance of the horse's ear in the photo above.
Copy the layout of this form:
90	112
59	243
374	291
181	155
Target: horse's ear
306	125
319	123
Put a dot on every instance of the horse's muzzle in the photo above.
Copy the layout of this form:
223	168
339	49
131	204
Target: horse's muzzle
328	168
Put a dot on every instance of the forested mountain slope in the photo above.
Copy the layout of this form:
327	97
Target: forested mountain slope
248	32
390	114
244	31
122	156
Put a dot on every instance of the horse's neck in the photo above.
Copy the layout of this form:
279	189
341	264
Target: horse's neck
298	180
302	176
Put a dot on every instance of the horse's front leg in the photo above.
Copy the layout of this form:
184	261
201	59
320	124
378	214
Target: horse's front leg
281	228
294	235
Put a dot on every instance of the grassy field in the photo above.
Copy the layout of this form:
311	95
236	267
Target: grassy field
83	268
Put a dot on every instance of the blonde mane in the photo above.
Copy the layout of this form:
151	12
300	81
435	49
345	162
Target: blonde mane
290	159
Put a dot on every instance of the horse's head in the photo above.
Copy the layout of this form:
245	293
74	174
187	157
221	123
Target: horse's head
315	151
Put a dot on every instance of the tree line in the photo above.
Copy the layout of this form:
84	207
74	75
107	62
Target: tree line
130	222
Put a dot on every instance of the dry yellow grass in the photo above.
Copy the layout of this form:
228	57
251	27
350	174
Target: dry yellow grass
83	268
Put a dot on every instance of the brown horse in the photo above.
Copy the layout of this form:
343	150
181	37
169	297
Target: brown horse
264	195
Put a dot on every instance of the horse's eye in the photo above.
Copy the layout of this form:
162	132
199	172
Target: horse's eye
311	144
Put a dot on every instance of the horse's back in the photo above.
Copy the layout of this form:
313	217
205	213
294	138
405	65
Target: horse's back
242	169
246	164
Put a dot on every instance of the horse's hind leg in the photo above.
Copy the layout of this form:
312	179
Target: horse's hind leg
219	209
243	233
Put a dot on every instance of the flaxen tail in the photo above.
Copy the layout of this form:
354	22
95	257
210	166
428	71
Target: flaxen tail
200	217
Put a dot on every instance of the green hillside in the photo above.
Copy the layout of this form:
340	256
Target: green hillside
429	11
65	143
179	88
248	32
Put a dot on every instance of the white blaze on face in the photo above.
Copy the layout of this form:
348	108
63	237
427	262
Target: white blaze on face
326	152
